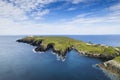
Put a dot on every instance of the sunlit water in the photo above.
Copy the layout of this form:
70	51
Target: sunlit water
19	62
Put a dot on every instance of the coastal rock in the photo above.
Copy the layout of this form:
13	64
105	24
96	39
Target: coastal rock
112	66
106	57
40	48
36	43
60	47
57	52
50	46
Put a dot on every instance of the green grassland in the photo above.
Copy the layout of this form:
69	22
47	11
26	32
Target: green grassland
61	43
117	59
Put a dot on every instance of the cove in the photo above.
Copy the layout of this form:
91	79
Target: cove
19	62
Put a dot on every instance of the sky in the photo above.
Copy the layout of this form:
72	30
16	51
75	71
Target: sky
59	17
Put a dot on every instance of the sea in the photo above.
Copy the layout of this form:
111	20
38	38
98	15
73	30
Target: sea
18	61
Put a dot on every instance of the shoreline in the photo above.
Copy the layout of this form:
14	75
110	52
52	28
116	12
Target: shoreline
107	59
112	66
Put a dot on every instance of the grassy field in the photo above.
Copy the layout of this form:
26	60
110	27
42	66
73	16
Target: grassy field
61	43
117	59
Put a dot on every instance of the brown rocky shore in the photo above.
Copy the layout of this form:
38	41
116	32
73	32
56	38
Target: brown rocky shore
112	66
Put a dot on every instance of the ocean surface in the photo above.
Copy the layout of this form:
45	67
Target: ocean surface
18	61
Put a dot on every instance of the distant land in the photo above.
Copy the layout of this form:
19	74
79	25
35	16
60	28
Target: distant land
62	45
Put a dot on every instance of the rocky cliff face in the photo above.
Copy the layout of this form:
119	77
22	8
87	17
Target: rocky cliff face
41	48
112	66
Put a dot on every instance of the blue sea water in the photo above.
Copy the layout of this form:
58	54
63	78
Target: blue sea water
19	62
111	40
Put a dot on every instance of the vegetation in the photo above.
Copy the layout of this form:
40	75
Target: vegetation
117	59
61	43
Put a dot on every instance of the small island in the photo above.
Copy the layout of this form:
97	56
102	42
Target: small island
62	45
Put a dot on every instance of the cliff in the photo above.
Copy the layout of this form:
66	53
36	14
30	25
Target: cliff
62	45
112	65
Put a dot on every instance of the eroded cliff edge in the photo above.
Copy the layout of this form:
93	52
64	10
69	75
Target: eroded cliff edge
63	45
112	65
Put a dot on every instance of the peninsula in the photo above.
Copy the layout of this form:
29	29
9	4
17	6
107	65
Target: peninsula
62	45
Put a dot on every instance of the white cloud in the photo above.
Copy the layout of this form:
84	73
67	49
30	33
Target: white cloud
80	1
113	16
39	14
115	7
71	9
9	11
18	9
54	29
31	4
46	11
115	13
77	1
81	24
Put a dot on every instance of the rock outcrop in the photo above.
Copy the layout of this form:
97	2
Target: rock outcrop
112	66
41	48
105	53
103	57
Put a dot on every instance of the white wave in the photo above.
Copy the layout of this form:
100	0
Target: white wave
34	51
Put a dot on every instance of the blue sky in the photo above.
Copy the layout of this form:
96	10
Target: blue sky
50	17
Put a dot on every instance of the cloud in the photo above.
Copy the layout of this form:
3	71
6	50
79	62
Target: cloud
9	11
77	1
113	16
23	9
114	13
19	10
115	7
81	1
55	29
71	9
30	4
39	14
